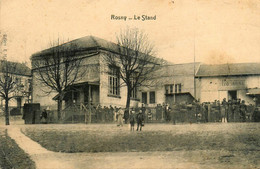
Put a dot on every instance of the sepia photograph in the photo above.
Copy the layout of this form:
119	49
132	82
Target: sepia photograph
120	84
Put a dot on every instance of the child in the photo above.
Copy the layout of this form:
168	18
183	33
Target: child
139	119
132	120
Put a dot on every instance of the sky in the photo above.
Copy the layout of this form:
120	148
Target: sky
211	31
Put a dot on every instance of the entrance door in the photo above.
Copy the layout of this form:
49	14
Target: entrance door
232	95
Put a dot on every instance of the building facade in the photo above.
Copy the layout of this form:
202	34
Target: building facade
21	93
173	83
100	85
230	81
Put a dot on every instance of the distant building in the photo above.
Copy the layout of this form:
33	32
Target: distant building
173	83
3	46
22	94
230	81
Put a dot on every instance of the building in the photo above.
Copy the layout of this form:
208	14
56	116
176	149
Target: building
230	81
3	46
100	84
173	83
21	75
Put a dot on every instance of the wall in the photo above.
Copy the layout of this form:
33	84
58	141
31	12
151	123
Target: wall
186	81
106	100
216	88
90	69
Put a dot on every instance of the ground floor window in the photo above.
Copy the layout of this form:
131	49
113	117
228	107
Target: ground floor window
152	97
144	97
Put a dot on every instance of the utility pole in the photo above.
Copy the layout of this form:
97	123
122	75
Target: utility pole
194	68
194	53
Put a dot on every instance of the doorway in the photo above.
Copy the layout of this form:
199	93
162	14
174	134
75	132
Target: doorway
232	95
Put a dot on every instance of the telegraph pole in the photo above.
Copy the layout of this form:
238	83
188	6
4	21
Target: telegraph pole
194	69
194	53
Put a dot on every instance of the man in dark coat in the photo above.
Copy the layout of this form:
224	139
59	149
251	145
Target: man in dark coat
44	116
139	119
243	110
126	115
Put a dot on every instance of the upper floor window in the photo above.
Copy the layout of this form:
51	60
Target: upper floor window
134	91
113	81
134	87
173	88
144	97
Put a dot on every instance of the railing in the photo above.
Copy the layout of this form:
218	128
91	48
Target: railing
79	112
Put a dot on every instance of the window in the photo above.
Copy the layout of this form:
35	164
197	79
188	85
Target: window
179	88
134	91
144	97
176	88
113	81
173	88
134	88
152	97
166	89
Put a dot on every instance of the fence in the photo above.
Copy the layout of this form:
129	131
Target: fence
179	113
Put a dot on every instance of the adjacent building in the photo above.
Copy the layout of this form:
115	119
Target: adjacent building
22	91
173	83
230	81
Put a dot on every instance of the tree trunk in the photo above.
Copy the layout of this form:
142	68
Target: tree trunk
6	112
59	109
128	98
126	113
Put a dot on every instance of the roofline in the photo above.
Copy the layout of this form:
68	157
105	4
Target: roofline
198	76
231	63
174	64
17	74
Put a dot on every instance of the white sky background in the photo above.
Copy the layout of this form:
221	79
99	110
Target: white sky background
223	30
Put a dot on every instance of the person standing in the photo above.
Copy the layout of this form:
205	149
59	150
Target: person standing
120	114
44	116
132	120
224	110
115	114
126	115
139	119
243	110
237	111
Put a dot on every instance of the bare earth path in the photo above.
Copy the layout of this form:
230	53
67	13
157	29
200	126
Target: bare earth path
45	159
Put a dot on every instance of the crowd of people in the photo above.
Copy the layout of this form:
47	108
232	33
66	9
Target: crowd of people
217	111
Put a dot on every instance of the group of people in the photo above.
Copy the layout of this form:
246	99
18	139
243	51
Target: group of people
133	118
234	110
228	111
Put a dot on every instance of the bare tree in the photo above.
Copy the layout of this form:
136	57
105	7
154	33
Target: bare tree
134	59
58	68
8	85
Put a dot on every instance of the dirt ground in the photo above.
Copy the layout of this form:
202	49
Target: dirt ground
242	157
